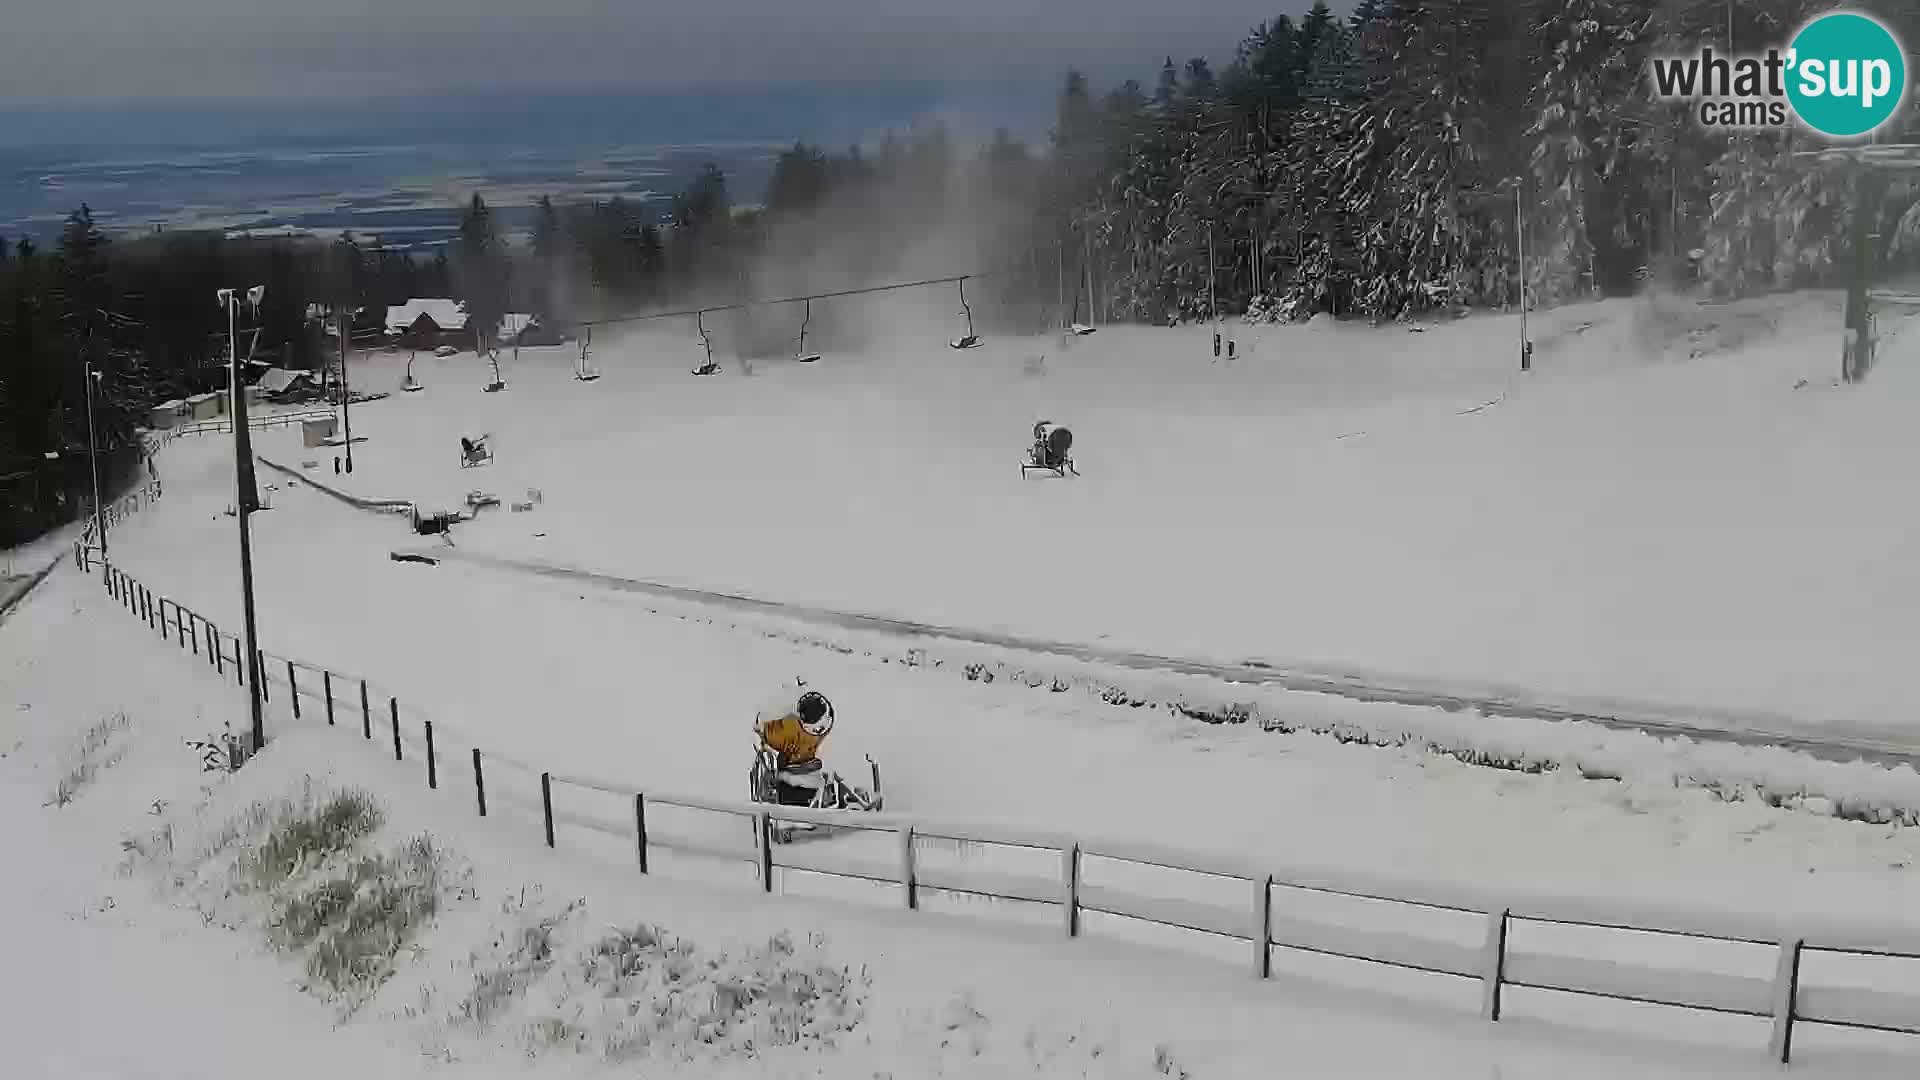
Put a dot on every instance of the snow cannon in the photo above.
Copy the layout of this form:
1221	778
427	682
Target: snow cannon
1052	451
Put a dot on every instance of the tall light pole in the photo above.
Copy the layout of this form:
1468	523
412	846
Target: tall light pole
1520	245
93	459
343	327
246	501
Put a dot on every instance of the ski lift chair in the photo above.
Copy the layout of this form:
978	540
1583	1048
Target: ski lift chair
801	354
586	372
971	340
1052	451
711	366
475	452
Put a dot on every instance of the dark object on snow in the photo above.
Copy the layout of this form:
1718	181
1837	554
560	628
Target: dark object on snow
814	788
399	556
475	452
1051	451
440	524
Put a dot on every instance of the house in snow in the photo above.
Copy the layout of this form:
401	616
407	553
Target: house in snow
281	385
429	324
512	325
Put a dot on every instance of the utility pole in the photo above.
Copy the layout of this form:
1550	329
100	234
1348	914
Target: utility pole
1060	272
1086	236
246	501
342	325
93	459
1520	242
1213	305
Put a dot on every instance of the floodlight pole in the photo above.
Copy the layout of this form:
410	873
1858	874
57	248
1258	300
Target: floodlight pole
1520	238
341	325
243	497
93	459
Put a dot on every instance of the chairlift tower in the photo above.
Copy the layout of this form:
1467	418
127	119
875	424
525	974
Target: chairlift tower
1871	165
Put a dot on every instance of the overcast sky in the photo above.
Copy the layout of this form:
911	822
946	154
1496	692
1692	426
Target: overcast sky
73	51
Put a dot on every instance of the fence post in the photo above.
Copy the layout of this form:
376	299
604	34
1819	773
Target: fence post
433	766
195	621
640	828
1786	988
326	687
216	650
393	711
1263	926
240	663
366	714
763	834
479	783
1070	887
1494	964
293	691
546	803
909	883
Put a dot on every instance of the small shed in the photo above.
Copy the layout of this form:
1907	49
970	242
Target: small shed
209	406
166	414
319	431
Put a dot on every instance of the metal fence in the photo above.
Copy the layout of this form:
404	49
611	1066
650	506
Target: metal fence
1274	924
262	422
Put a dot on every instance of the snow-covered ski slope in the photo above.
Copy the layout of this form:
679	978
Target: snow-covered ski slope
119	973
592	682
1622	522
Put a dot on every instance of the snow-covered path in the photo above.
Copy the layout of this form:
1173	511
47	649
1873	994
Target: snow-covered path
1707	725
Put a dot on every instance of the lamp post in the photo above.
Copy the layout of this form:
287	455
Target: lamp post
93	460
343	328
246	501
1519	184
1520	258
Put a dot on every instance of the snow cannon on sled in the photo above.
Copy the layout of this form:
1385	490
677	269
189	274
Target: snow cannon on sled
811	787
1052	451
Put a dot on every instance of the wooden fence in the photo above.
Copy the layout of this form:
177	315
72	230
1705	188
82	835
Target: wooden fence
1273	922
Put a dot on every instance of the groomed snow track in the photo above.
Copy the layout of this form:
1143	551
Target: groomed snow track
1705	725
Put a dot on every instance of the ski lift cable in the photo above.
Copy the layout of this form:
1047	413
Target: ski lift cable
746	304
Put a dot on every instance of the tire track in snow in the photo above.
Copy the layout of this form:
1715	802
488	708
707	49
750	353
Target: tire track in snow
1703	725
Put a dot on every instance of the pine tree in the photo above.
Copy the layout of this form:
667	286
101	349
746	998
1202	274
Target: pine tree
547	249
1198	82
1168	87
481	275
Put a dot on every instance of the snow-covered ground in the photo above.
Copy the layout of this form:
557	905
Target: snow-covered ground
1614	524
1623	521
133	958
586	681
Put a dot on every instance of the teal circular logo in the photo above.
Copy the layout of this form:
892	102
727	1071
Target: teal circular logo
1846	74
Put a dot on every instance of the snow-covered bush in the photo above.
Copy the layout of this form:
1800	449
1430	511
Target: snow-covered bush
99	748
353	921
